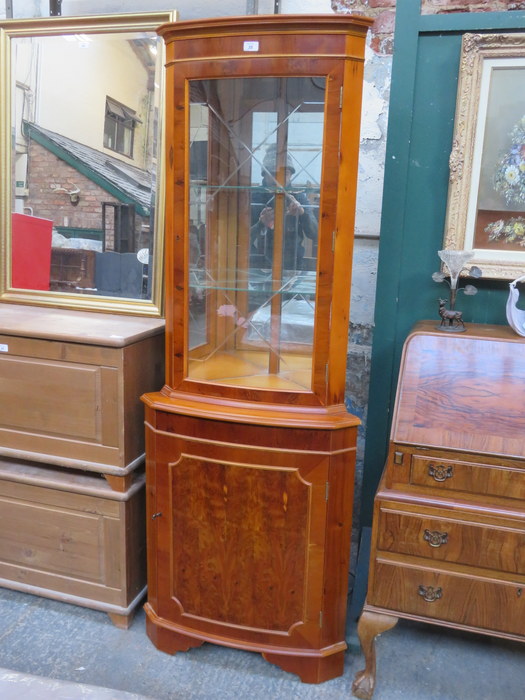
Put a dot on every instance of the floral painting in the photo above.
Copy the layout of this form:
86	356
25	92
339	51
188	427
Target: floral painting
486	206
509	179
498	219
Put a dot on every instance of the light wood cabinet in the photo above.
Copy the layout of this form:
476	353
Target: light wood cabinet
72	454
448	536
69	536
71	384
250	450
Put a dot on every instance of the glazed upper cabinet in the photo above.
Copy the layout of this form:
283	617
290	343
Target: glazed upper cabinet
262	115
250	450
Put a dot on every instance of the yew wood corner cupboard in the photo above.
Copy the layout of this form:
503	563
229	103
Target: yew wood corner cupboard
448	535
250	451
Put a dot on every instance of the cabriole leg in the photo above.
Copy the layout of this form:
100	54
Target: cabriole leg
370	625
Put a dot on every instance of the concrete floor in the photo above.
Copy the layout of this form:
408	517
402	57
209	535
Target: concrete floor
64	645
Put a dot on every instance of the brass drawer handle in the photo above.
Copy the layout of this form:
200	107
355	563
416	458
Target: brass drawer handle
435	538
439	472
430	594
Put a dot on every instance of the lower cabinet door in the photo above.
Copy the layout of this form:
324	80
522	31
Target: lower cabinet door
249	538
246	547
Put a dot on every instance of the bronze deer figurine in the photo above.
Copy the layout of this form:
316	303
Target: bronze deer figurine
450	318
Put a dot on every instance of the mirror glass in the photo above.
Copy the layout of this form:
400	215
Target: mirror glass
83	197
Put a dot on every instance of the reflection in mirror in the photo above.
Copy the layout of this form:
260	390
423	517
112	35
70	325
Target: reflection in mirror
85	110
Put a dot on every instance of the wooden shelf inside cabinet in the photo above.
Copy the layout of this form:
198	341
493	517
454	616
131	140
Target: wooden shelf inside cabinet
449	521
250	451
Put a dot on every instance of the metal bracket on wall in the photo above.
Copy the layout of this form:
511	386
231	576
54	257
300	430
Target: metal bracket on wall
9	9
252	7
55	8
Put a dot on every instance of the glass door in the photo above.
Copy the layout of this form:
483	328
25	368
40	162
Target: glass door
253	200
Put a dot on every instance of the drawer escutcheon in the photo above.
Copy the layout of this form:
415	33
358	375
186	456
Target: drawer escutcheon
435	538
429	593
439	472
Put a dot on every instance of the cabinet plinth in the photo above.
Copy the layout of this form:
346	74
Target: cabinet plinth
449	523
250	452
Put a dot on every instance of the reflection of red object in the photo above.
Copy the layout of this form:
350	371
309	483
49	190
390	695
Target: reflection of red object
31	252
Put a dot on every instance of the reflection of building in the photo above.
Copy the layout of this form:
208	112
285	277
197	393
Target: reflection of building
87	193
85	153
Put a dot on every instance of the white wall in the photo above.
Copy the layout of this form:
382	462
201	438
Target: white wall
187	9
305	7
68	82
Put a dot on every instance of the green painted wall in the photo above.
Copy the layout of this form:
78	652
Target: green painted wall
421	122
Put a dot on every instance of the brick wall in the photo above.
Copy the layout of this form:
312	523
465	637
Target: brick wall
384	11
47	169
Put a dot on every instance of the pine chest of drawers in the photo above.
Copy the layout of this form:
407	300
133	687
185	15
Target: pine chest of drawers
70	383
448	535
72	484
68	535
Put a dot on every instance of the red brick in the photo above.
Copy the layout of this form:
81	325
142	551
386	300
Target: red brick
383	44
444	6
384	22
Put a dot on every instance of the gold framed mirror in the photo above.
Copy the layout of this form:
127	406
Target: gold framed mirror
81	192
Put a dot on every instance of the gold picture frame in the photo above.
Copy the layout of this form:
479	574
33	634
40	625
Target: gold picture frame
486	199
90	162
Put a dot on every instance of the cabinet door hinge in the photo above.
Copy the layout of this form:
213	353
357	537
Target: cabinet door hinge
320	618
326	490
333	241
341	97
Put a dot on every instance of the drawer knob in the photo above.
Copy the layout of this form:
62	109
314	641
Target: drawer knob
435	538
430	594
439	472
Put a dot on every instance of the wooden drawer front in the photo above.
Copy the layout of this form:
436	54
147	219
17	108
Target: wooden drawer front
39	349
453	598
57	398
481	479
446	539
52	540
72	545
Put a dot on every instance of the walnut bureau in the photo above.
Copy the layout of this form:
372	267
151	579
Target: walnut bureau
72	453
448	534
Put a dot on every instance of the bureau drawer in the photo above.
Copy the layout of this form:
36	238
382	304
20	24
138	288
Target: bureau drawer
491	544
469	477
473	602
